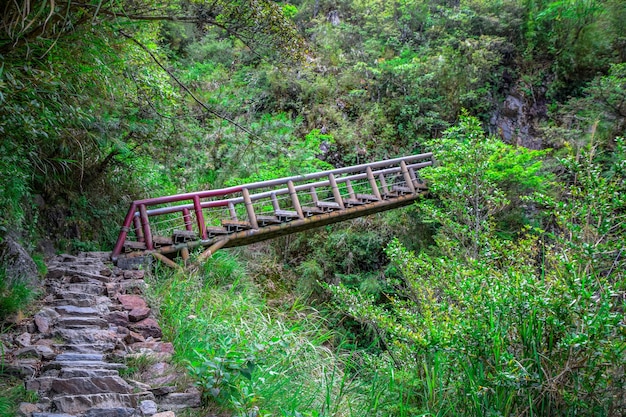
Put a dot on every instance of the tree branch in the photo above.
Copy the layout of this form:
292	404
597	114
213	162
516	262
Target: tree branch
185	88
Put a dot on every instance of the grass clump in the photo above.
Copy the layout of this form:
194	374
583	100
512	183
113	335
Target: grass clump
250	358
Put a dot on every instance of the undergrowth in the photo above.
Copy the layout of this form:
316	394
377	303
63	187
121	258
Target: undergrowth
258	361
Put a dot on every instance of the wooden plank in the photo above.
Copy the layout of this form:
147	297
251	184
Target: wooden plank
402	190
183	236
236	226
351	202
328	206
213	231
162	240
367	197
265	220
310	211
131	245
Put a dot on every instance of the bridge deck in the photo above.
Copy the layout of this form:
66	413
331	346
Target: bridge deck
249	213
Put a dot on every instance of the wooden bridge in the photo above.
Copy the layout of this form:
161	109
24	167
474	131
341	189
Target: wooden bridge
248	213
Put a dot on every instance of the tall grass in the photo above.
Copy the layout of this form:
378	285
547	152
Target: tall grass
255	360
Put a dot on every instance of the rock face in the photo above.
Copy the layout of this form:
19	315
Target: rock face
517	120
18	263
72	351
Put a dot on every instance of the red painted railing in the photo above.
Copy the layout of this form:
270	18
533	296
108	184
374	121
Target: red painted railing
192	206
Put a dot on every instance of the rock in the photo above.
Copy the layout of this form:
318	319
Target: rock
23	368
70	310
51	415
106	272
138	314
118	318
24	339
160	391
147	327
110	412
165	414
87	373
130	302
180	400
134	337
77	404
83	364
78	322
148	408
44	319
87	335
26	409
20	267
138	386
36	351
71	356
93	385
137	274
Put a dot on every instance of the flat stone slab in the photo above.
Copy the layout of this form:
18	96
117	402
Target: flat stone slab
92	289
78	404
81	322
70	310
83	365
70	356
86	386
87	373
52	415
110	412
87	335
86	347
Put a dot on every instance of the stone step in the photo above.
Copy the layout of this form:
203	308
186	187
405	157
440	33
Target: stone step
79	322
88	365
112	412
85	347
86	335
83	288
72	356
78	404
71	310
87	373
75	299
84	385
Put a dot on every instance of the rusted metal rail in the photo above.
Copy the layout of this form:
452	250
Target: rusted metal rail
254	212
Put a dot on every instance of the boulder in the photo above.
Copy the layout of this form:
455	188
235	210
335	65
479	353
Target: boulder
20	267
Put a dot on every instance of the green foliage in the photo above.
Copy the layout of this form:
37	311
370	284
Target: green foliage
475	180
246	356
14	296
490	326
13	392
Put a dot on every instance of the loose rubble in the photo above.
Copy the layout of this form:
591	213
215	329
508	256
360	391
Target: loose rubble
94	320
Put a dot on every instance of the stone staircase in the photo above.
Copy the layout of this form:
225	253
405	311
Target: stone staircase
73	352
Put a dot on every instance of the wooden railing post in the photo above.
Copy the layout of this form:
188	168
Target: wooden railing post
314	196
336	193
372	181
275	204
187	220
232	211
350	190
249	208
138	230
407	176
383	183
147	233
294	199
199	217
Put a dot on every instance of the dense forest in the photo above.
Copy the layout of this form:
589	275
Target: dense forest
500	294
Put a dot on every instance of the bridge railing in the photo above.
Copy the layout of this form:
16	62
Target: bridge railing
205	215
